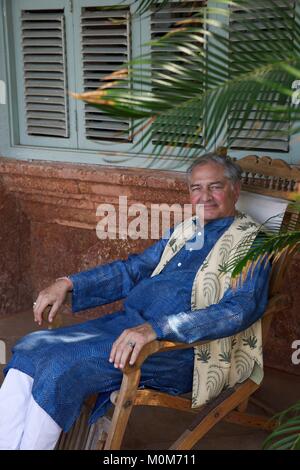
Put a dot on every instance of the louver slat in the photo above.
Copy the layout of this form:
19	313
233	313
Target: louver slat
256	133
43	42
162	22
105	48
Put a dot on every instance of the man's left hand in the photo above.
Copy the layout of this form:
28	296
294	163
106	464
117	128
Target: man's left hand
130	343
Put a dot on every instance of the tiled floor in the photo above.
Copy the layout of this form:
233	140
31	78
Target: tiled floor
157	428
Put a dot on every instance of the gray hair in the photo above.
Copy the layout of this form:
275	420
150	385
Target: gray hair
232	170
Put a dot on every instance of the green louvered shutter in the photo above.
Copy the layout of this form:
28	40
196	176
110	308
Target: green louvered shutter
163	21
256	132
45	75
105	47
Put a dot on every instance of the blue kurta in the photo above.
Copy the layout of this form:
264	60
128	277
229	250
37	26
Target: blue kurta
69	364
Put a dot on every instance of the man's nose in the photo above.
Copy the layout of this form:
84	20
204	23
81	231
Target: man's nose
205	195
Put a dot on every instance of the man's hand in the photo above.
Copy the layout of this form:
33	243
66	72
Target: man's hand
130	343
53	295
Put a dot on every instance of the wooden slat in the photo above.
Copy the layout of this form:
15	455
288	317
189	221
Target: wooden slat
154	398
253	421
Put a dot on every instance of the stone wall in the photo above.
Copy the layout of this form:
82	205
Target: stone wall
15	280
47	229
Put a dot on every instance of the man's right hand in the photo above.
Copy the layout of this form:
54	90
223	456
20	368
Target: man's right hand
54	295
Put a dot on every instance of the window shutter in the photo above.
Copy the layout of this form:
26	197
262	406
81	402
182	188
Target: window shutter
163	21
256	133
44	57
105	36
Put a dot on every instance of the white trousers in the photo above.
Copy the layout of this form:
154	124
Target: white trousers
24	424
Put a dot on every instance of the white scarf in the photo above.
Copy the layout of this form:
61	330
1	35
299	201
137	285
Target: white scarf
223	362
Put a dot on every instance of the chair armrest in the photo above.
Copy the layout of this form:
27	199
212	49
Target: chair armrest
277	302
157	346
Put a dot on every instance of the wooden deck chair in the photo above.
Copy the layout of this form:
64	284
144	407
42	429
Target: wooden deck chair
262	176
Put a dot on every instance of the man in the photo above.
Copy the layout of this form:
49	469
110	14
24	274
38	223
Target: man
52	372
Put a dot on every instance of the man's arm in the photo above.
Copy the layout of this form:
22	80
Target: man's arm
236	311
100	285
107	283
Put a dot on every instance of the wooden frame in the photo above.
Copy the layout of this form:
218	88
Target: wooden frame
262	175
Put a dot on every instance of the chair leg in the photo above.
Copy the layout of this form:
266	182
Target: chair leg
212	414
122	410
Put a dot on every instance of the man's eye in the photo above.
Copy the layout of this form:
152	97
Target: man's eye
216	186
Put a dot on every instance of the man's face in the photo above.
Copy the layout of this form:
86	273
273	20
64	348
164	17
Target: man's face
210	187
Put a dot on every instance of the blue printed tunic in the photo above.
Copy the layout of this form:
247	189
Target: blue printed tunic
69	364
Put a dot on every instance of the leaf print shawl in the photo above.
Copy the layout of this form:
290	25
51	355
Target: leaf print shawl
224	362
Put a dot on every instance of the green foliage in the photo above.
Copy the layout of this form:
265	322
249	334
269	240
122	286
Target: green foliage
269	244
216	73
286	435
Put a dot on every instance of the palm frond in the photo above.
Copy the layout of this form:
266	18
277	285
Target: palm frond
145	5
267	242
204	71
287	434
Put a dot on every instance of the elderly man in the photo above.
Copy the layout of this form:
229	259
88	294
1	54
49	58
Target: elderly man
53	371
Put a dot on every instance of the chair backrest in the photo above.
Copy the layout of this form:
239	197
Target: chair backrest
268	188
271	185
263	209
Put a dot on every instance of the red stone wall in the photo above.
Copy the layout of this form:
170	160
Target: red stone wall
15	281
47	229
286	325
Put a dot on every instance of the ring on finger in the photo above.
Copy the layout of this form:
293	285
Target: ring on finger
131	344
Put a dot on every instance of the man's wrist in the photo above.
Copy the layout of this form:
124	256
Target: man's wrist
67	280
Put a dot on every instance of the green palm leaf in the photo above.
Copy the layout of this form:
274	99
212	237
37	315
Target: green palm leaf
269	243
287	434
187	101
